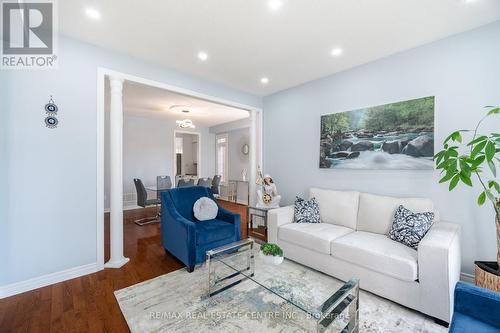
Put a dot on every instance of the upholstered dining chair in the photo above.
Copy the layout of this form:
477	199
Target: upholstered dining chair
185	182
205	182
187	238
216	184
143	201
162	183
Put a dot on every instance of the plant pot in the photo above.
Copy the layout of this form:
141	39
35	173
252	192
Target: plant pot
487	275
271	259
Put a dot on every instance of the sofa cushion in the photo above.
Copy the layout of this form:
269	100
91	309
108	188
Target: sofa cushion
212	231
409	228
378	253
376	212
314	236
306	211
337	207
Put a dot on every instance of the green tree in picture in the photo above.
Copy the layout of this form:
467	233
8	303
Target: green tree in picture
335	124
475	160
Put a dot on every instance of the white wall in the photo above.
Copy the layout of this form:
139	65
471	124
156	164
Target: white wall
148	151
461	71
237	160
50	223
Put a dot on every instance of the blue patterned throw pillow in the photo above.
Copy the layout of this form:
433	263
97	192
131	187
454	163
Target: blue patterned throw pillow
306	211
409	228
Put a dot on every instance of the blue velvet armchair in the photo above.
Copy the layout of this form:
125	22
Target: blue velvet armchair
476	310
187	238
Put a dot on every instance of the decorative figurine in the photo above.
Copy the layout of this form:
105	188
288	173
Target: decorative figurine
267	196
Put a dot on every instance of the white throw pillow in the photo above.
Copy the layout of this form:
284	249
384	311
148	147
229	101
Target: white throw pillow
205	209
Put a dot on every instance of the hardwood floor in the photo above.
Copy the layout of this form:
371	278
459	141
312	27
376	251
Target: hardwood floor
87	303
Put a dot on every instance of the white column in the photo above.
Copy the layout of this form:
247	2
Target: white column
116	259
253	156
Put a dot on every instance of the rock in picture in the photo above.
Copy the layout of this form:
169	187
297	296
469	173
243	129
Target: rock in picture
392	136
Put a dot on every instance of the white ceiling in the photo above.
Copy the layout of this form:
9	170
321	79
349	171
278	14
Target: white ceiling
245	40
146	101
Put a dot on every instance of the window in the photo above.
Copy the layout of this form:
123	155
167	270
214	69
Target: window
221	156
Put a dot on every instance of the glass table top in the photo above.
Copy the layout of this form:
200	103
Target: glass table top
311	291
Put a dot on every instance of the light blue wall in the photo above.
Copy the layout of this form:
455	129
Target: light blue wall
462	71
51	221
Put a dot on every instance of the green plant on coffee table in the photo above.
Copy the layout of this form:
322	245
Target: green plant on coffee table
270	249
474	160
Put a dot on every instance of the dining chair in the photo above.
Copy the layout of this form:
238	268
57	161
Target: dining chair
185	182
205	182
162	183
216	184
143	201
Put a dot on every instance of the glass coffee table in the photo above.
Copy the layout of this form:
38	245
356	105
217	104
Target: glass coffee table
318	295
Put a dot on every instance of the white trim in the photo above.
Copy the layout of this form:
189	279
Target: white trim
466	277
48	279
174	158
100	170
101	74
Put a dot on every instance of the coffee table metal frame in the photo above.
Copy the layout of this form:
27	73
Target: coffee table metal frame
347	297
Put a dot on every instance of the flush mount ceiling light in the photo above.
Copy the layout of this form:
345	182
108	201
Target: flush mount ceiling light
180	108
274	4
336	51
186	123
203	56
93	13
264	80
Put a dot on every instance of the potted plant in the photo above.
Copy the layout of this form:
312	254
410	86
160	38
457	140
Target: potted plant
475	161
271	253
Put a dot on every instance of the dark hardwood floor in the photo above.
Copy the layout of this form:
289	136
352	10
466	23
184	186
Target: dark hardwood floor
87	303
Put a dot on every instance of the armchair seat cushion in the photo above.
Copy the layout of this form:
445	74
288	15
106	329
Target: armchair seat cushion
210	231
464	323
378	253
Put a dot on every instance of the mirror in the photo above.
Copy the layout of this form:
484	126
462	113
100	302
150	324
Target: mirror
186	154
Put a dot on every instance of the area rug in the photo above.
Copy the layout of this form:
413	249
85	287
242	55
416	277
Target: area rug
177	302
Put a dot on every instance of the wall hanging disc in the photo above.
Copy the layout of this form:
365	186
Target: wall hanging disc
51	122
51	108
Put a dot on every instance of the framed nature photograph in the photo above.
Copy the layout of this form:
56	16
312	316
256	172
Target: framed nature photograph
395	136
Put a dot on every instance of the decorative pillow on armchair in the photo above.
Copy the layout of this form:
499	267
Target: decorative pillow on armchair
306	211
205	209
409	228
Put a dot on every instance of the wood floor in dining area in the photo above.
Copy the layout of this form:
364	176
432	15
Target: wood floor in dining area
87	303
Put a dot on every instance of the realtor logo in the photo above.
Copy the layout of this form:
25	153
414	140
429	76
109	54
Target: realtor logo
28	34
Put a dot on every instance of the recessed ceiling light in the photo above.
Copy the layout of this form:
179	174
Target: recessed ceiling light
469	1
93	13
336	51
264	80
275	4
203	56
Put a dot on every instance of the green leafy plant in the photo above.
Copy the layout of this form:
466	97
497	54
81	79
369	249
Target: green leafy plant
465	162
270	249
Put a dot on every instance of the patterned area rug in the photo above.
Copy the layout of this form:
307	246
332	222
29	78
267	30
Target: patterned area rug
176	302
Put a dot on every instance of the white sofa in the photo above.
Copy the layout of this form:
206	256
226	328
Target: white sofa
352	241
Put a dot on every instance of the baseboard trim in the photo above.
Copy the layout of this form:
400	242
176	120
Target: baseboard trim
466	277
45	280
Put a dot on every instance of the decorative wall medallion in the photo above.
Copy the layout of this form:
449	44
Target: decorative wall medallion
51	122
51	111
51	108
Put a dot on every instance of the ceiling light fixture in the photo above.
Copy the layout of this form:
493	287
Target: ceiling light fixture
336	51
275	4
203	56
186	123
93	13
264	80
